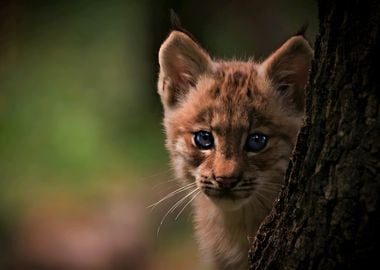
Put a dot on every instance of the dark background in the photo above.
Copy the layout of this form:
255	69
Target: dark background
81	141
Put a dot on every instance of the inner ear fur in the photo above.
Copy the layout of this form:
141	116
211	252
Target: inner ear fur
182	61
288	70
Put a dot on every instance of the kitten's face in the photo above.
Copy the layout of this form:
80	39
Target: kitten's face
230	127
231	135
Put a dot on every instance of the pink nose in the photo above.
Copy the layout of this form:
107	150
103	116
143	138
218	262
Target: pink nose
227	182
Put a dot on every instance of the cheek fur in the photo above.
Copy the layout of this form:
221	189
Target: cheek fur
272	158
191	157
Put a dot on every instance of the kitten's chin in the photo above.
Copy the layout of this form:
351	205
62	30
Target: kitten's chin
228	203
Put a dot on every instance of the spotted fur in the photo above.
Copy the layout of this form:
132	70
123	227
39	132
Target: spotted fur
231	99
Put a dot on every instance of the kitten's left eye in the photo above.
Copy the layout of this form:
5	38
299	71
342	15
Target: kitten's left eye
256	142
203	140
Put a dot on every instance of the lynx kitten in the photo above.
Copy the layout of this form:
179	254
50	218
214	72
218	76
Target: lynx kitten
230	129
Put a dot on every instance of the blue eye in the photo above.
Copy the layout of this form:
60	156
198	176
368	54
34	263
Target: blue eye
204	140
256	142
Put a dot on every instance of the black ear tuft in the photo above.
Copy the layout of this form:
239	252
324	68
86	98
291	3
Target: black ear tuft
302	30
176	22
177	25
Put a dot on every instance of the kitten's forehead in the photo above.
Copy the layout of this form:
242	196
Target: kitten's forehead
234	76
232	97
232	94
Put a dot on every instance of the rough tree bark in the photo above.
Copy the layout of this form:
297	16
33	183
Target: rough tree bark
327	216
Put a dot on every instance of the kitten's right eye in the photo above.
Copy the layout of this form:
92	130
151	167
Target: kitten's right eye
204	140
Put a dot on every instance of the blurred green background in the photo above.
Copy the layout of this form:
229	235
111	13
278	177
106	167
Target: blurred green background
81	142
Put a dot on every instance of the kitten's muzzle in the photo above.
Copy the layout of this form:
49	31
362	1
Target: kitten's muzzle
224	188
227	182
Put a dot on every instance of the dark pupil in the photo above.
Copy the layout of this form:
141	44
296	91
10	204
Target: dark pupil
204	139
256	142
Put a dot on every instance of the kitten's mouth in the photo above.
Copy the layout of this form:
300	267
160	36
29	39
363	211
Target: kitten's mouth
225	194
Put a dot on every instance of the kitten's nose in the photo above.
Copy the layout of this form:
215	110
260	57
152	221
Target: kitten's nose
227	182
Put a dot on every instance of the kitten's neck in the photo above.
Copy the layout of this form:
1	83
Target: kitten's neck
224	233
245	219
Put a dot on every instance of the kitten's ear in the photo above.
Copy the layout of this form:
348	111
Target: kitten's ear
288	70
182	62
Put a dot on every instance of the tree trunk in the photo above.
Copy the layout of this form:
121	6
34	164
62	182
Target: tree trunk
327	215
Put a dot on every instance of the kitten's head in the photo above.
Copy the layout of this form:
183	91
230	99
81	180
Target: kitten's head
231	126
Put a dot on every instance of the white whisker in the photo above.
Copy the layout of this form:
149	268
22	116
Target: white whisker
171	210
156	174
163	183
171	194
264	198
271	184
261	202
183	208
268	189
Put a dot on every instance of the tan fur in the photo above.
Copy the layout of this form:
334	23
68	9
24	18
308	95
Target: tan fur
231	99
